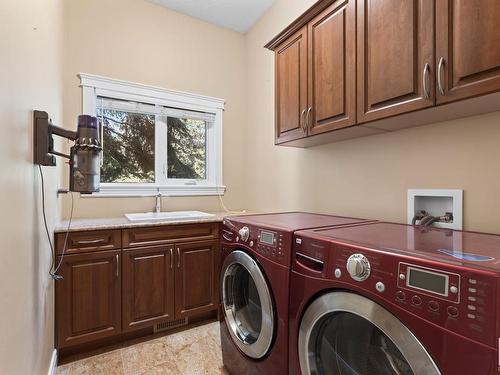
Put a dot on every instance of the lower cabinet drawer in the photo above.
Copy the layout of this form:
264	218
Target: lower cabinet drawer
88	241
88	299
170	234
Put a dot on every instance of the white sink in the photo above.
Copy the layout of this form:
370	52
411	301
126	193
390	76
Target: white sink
167	216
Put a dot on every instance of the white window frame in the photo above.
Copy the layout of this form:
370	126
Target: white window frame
94	86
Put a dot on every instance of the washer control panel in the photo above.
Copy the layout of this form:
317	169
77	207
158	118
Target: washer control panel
461	300
432	282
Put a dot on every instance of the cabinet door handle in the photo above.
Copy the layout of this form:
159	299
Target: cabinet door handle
302	120
425	79
117	263
90	242
308	124
440	73
171	258
178	258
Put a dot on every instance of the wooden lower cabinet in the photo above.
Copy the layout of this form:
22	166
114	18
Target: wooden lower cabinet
196	278
148	287
88	299
165	283
104	295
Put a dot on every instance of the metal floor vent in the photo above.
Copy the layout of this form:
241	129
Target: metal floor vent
165	326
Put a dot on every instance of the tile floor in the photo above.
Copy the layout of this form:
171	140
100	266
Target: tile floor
195	351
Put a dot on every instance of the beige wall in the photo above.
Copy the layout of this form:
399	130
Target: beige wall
30	78
141	42
366	177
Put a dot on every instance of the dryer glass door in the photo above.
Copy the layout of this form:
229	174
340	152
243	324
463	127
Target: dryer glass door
247	304
347	334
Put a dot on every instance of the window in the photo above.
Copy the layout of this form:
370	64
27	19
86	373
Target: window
155	139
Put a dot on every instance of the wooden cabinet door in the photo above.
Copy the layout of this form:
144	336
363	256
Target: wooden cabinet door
148	286
395	61
467	48
196	278
332	68
291	88
88	299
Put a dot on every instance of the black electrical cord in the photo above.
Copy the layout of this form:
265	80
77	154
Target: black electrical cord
67	234
53	268
52	253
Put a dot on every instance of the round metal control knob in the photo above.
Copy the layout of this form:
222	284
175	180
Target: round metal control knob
433	306
358	267
338	273
452	311
380	287
244	234
400	295
454	289
416	300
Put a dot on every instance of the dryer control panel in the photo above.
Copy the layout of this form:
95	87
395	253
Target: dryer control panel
268	242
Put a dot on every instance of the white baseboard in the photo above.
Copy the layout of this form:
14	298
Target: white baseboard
53	364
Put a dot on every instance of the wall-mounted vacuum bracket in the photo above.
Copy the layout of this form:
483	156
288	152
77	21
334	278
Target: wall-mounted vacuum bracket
84	157
44	142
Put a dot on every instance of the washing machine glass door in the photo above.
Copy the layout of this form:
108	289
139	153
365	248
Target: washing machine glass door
247	304
347	334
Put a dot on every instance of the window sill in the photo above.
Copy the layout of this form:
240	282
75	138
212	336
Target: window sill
148	191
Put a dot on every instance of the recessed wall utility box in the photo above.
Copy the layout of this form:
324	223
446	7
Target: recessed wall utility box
437	202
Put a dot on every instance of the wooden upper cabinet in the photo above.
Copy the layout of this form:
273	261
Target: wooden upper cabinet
395	60
468	48
291	88
88	299
331	68
196	278
148	286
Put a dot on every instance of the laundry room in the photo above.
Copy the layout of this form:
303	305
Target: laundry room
250	187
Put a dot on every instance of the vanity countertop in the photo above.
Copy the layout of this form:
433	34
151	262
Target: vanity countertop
79	225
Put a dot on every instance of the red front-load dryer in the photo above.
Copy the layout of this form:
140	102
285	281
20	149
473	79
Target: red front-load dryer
391	299
255	281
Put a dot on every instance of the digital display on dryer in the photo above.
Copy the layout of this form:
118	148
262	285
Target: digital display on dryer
267	238
429	281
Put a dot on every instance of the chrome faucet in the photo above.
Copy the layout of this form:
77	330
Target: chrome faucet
158	202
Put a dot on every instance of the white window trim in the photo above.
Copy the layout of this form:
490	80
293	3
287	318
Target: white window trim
94	86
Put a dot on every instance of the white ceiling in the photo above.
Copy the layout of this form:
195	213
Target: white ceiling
237	15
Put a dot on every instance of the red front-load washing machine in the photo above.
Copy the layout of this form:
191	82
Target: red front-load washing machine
391	299
255	281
